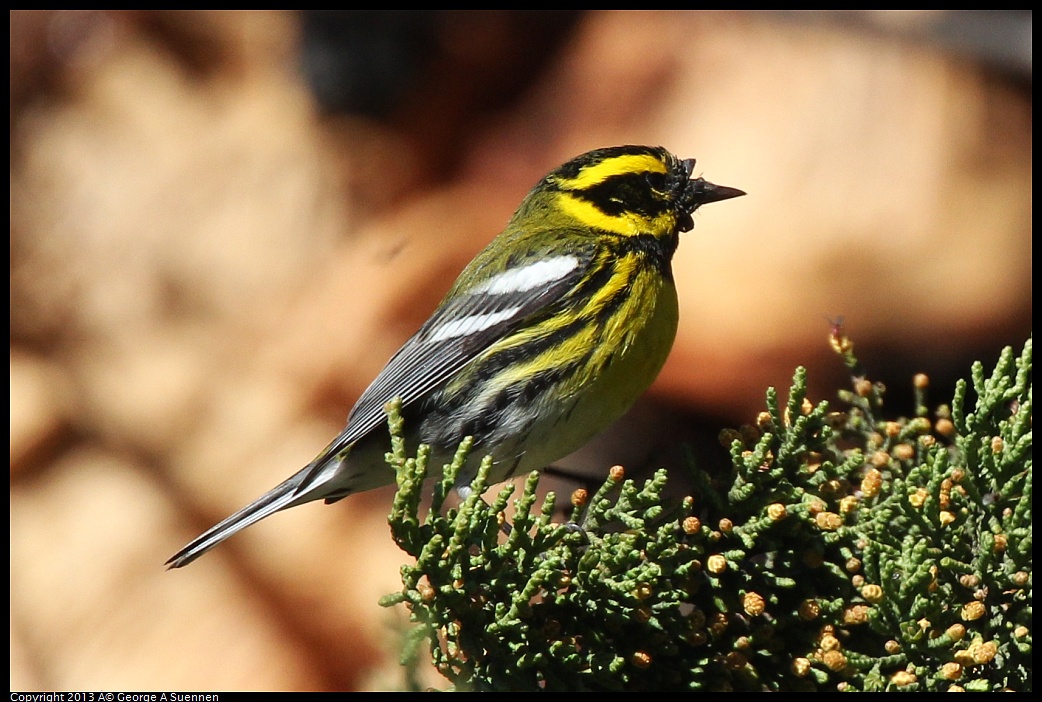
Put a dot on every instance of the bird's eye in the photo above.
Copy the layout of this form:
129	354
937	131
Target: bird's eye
657	181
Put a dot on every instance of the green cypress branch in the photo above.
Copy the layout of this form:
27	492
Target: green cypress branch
844	551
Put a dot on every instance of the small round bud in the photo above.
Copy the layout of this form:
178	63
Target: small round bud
969	580
956	631
951	671
828	642
716	564
872	482
691	525
945	427
809	610
855	614
776	511
918	498
753	604
972	611
984	652
892	647
828	521
872	593
834	660
863	387
726	525
641	660
617	473
902	677
838	339
801	667
425	591
579	497
921	381
903	452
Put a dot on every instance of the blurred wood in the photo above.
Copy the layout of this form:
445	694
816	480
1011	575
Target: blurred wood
206	272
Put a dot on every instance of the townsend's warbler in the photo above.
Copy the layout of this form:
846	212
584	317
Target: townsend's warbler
547	337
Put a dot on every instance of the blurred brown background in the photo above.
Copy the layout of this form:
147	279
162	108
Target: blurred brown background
222	225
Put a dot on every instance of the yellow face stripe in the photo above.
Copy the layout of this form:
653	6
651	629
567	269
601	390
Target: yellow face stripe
602	170
626	223
622	220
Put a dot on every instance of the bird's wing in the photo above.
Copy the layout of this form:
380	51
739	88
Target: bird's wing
459	330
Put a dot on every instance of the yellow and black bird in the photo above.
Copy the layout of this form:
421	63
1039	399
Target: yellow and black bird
547	337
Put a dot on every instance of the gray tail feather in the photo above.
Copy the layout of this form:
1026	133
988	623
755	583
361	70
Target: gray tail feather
289	493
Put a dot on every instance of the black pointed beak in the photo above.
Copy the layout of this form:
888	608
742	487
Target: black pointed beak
706	192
